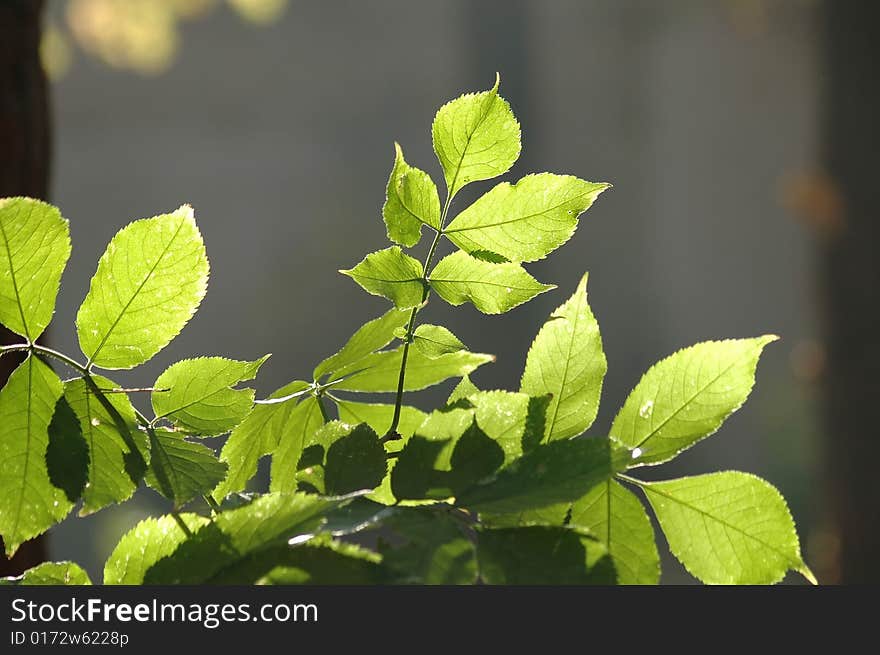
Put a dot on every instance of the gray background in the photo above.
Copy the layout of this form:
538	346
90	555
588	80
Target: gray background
281	138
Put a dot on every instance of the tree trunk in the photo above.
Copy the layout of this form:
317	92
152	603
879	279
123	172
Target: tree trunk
24	159
851	276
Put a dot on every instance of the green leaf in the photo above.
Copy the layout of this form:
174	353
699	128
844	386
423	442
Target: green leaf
50	573
566	360
514	420
526	221
294	434
618	519
686	397
449	453
181	470
379	372
553	515
561	471
355	516
476	137
411	201
199	398
257	435
392	274
157	551
67	455
118	450
491	288
352	457
378	416
34	249
321	561
434	548
150	541
462	390
29	503
458	447
540	555
370	337
149	283
435	340
728	528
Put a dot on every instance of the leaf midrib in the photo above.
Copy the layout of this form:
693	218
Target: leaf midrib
484	282
405	206
205	396
146	279
686	403
482	226
451	190
558	397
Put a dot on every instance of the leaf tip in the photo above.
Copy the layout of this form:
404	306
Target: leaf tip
187	210
497	83
805	571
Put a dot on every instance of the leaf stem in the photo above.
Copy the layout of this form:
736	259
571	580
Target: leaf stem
626	478
213	504
48	352
401	378
314	388
322	407
183	526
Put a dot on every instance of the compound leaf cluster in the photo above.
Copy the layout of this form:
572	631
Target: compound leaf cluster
493	486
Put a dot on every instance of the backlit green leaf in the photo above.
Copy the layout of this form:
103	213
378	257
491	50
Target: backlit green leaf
34	248
449	453
150	541
149	283
526	221
557	472
256	436
181	470
541	555
379	372
435	340
370	337
118	450
392	274
476	137
378	416
686	397
618	519
67	455
514	420
320	561
566	360
552	515
728	528
462	390
294	434
157	551
351	456
411	201
491	288
29	503
50	573
199	398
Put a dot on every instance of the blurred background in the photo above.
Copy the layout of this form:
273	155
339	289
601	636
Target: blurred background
740	136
